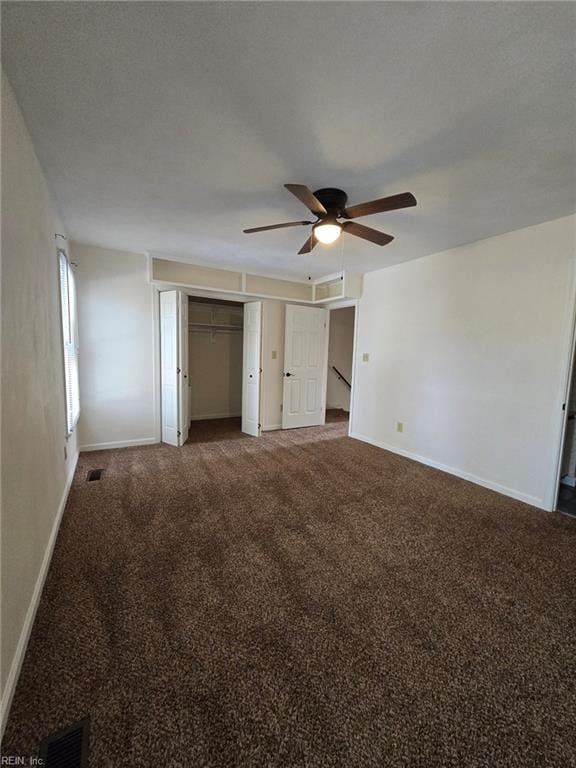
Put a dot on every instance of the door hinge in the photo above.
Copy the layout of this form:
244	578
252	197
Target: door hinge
178	370
563	406
281	407
179	433
259	426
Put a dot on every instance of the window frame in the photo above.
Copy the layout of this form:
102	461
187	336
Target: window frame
67	296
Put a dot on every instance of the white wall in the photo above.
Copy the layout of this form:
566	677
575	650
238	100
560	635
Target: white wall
340	352
468	348
35	474
116	325
272	382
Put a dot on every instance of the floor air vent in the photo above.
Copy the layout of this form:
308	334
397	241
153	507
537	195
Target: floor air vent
94	474
68	747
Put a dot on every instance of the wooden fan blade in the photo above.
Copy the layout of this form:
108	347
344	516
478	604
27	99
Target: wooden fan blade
275	226
305	196
392	203
309	244
366	233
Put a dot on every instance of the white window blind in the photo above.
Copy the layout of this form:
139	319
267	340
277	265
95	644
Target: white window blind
70	341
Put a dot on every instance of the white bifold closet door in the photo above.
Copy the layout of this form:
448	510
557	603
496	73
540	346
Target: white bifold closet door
174	367
305	366
251	368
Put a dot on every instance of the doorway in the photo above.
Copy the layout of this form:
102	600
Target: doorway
305	366
566	501
215	350
209	353
340	363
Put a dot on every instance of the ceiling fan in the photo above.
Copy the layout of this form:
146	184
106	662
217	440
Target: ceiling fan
329	205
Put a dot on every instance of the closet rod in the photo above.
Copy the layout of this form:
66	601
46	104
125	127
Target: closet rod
212	328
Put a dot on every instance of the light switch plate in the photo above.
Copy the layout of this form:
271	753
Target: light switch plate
274	354
365	357
399	426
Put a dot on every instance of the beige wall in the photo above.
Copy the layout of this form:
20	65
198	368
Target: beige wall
117	371
34	470
215	364
340	351
468	348
116	327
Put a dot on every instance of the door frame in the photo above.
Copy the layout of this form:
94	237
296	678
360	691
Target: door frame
569	369
156	290
342	305
325	365
178	304
257	371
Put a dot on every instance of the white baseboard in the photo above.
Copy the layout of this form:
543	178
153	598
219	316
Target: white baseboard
208	416
119	444
512	492
20	652
271	427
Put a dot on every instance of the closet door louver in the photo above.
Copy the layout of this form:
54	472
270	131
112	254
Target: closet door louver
70	341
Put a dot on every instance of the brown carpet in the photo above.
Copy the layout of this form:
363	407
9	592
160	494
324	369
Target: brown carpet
302	600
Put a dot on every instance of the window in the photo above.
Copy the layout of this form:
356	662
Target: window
70	341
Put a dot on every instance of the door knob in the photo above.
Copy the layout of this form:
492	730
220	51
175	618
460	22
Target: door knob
287	374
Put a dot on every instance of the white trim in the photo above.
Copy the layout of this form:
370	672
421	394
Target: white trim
229	293
242	294
564	395
271	428
353	378
340	303
290	278
208	416
512	492
156	363
119	444
18	658
327	278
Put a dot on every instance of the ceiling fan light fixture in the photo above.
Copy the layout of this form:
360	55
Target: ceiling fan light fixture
328	205
327	233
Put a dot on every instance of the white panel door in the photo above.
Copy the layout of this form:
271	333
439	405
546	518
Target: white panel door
183	405
251	368
174	366
305	366
169	365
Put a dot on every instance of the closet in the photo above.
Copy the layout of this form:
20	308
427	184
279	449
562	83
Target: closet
215	349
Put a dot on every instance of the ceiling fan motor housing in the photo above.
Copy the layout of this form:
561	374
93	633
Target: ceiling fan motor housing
334	200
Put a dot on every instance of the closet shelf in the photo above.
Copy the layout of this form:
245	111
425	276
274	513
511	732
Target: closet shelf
213	327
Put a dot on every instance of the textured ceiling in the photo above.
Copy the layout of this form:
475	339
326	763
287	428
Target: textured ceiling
170	127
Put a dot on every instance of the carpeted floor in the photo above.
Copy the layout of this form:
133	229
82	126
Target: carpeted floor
302	600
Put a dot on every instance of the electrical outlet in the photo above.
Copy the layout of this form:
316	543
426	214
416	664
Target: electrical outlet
365	357
274	354
399	426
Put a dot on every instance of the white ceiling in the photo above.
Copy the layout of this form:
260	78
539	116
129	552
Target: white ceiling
172	126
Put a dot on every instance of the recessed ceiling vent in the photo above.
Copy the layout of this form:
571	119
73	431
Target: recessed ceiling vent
67	748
